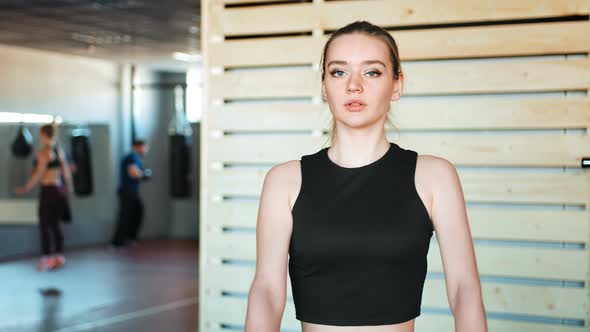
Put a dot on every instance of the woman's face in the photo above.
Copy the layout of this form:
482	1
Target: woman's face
45	140
358	82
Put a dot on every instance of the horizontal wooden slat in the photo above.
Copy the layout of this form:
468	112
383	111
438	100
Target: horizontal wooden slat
18	211
335	14
498	297
485	223
525	262
254	52
230	310
460	149
482	41
409	114
263	20
491	41
237	2
267	83
561	188
485	187
440	77
531	225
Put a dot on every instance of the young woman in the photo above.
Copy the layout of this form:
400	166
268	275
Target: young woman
352	223
356	219
53	197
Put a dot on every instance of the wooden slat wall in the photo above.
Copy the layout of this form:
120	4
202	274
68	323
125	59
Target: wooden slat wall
504	88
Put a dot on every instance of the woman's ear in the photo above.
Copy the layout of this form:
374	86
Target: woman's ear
397	88
396	94
323	92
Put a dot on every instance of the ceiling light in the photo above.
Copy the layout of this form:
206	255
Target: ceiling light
187	57
9	117
101	37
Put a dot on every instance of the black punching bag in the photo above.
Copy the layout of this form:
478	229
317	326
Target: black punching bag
83	184
180	166
180	134
22	145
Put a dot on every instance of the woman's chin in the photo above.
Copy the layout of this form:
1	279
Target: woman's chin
361	123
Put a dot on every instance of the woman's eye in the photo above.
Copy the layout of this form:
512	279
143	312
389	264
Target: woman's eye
337	73
373	73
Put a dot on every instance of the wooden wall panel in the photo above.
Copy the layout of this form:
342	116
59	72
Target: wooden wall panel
488	113
232	310
421	79
440	43
298	17
500	297
485	223
499	88
464	149
478	186
521	262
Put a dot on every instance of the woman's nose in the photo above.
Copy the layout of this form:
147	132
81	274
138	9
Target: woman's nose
354	84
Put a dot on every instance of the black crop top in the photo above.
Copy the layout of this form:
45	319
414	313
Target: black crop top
54	163
359	242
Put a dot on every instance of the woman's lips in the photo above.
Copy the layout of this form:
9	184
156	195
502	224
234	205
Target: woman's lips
355	105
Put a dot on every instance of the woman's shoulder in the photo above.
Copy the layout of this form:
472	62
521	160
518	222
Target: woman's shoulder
434	165
285	170
43	153
435	172
431	160
286	178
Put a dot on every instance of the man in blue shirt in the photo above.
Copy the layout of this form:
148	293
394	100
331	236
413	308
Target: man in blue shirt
130	215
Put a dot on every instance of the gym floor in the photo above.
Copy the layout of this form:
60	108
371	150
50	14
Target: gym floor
152	286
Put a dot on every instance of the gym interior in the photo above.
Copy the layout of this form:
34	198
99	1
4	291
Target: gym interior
104	73
219	91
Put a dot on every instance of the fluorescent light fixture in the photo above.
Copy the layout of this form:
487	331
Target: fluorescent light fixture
80	132
9	117
187	57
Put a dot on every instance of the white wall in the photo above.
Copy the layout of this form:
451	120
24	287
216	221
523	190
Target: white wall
76	88
80	90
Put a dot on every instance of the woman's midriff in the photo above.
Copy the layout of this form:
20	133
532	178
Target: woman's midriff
401	327
52	177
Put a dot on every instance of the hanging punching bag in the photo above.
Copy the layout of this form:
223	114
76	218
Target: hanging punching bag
22	145
180	133
180	166
83	184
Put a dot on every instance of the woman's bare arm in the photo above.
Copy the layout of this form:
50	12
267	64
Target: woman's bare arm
268	292
449	217
40	169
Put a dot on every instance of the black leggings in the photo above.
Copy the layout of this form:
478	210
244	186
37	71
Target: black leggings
53	206
129	219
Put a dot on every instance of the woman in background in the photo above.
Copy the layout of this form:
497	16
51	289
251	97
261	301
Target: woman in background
51	168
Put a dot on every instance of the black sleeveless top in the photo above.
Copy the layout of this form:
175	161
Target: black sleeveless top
359	242
54	163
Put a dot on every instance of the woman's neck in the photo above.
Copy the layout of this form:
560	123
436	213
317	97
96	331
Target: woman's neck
350	152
